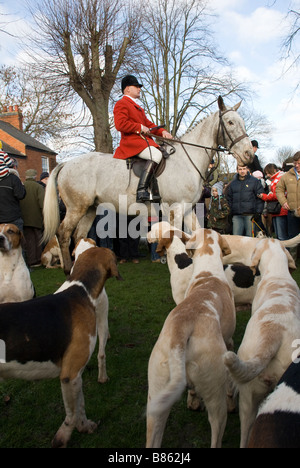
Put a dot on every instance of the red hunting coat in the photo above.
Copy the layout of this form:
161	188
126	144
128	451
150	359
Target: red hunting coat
129	117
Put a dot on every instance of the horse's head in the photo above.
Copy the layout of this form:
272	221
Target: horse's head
232	133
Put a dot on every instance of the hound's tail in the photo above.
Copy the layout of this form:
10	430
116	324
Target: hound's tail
51	206
292	242
174	389
244	371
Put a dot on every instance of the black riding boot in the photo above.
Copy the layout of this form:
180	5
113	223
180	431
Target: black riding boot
155	191
142	194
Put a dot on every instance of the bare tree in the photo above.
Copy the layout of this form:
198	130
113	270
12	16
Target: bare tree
81	46
44	113
180	66
291	43
284	153
258	126
3	24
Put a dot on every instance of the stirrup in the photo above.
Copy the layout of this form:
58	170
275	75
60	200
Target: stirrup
156	198
142	196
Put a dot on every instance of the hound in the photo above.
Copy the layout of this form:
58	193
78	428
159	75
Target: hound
55	336
51	256
243	284
267	347
278	421
15	281
172	242
101	314
242	248
102	307
190	348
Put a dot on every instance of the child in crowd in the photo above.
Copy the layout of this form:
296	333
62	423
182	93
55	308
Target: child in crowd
218	209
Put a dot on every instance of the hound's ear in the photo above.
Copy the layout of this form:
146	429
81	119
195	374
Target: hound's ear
191	246
161	249
164	243
255	260
226	250
221	104
237	106
182	236
114	272
185	237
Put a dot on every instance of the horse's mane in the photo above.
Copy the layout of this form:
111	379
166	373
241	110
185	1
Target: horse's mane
196	125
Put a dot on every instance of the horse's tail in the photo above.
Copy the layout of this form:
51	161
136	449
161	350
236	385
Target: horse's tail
51	206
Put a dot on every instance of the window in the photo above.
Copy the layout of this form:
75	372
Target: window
45	164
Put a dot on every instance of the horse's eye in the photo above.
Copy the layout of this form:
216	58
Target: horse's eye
230	122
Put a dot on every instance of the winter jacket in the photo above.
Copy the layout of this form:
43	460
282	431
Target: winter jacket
218	218
288	190
32	205
242	196
272	195
129	117
11	192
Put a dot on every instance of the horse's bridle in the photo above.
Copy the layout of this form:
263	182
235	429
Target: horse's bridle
224	130
220	149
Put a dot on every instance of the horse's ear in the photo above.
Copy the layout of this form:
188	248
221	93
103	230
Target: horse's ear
221	104
237	106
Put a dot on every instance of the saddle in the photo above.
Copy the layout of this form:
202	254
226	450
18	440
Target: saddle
137	164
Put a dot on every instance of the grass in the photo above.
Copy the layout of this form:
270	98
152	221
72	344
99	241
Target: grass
138	308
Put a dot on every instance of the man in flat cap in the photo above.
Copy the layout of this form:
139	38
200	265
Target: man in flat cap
135	127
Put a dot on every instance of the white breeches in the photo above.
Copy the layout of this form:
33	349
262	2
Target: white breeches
152	153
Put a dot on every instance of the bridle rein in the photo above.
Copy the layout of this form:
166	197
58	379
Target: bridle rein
221	149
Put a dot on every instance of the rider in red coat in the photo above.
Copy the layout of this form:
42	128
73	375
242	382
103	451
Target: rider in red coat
135	127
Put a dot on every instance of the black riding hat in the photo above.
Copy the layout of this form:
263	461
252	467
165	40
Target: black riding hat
130	80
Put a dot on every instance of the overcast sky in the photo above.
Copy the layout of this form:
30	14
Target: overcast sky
250	34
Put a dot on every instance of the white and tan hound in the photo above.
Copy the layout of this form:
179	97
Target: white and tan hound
267	347
15	280
189	351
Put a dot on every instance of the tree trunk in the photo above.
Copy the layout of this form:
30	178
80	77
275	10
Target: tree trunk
102	134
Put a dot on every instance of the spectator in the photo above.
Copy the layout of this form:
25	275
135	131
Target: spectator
273	174
11	192
243	202
218	210
44	179
128	247
255	165
260	221
202	206
259	175
288	194
212	175
32	212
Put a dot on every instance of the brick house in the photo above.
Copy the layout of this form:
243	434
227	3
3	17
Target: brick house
29	153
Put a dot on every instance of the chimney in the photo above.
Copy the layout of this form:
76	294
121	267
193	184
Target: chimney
13	116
